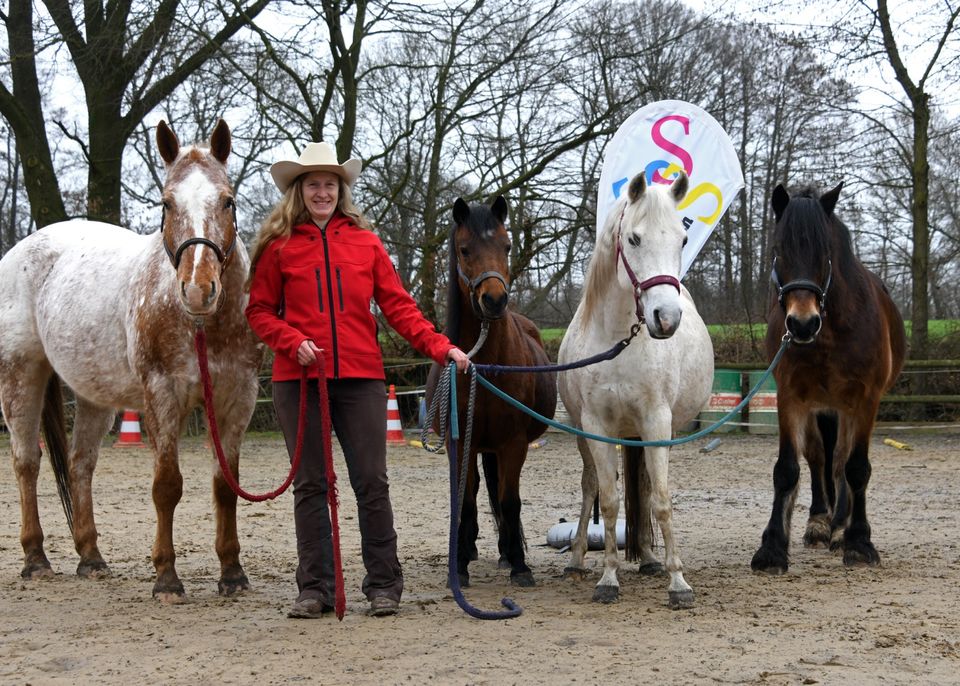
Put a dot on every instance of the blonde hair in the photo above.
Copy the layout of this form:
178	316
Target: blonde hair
291	211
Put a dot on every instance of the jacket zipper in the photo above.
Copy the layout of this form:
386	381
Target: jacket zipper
339	289
333	317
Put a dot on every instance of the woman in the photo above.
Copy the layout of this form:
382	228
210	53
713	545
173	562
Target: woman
315	268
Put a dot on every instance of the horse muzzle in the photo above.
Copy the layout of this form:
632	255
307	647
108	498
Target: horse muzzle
200	300
663	322
490	306
804	329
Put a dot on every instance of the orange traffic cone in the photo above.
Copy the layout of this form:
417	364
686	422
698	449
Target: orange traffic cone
394	428
130	436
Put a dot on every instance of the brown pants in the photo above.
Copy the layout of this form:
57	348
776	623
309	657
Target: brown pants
358	411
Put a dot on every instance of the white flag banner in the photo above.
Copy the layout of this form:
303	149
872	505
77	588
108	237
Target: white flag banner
660	139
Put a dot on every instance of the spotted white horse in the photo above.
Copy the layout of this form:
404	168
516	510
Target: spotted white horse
659	383
113	315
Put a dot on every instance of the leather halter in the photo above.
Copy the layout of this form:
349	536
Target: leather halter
222	255
475	283
802	285
640	286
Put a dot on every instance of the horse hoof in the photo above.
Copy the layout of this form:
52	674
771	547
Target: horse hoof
575	573
37	571
817	534
769	562
651	569
171	598
606	594
681	600
861	554
93	569
234	586
523	579
169	593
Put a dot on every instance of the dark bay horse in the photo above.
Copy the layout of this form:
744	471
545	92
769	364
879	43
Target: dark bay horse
113	315
478	290
848	349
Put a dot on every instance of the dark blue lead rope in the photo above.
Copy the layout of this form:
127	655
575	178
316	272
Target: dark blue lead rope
453	578
618	348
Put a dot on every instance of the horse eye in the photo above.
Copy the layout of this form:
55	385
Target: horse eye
633	240
228	204
166	204
464	252
506	249
684	241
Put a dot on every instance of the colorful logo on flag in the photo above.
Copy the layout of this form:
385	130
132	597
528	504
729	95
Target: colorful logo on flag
660	139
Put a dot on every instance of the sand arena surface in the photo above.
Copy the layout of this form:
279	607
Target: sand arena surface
820	623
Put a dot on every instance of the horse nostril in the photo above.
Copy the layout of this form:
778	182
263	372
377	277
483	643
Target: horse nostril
494	303
183	289
213	291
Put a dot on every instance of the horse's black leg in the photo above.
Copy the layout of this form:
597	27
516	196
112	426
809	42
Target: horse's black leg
469	528
857	547
511	528
492	479
819	454
772	556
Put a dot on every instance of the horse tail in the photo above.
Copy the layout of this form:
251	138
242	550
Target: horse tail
636	502
55	435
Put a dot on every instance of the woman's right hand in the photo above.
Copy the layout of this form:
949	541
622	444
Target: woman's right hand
307	353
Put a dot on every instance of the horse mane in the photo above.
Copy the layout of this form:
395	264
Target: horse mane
806	232
603	263
452	328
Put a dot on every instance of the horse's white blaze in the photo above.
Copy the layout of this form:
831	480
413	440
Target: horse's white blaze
195	196
653	387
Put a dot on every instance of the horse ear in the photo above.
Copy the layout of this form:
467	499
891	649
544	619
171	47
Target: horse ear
779	200
167	142
638	184
220	141
679	186
828	201
461	210
499	209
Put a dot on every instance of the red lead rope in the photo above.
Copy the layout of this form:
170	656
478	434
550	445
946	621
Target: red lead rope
333	499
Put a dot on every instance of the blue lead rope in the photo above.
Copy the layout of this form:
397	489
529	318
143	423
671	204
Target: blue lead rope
453	578
640	444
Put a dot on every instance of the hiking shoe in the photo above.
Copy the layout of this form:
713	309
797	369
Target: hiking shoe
309	608
381	606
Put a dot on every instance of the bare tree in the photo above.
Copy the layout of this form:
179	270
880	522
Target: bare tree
128	59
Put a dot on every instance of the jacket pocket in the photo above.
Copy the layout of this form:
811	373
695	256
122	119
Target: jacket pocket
340	289
319	288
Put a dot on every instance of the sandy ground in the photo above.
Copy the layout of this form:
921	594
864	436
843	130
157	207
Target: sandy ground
820	623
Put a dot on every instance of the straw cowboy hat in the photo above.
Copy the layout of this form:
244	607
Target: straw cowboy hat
315	157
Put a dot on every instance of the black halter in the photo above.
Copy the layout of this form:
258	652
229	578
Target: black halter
473	284
802	285
222	255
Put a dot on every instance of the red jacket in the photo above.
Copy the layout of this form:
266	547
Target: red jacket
318	285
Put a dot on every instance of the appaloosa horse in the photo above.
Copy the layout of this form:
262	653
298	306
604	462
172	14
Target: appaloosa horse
848	349
477	292
656	385
113	315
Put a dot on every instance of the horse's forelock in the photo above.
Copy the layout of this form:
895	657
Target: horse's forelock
802	234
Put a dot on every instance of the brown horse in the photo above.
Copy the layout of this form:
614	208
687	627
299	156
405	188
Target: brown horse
848	349
113	315
478	291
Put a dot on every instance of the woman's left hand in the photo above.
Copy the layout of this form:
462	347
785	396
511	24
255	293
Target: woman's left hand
459	358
